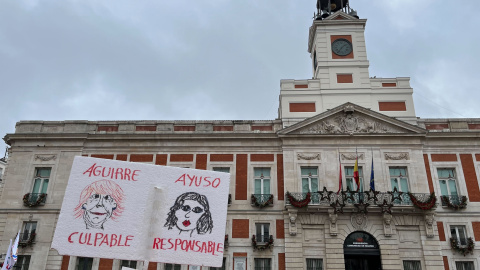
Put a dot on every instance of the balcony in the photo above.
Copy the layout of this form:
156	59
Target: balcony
261	242
261	200
26	239
34	199
455	202
361	200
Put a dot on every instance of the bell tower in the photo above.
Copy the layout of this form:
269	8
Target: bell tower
340	68
336	45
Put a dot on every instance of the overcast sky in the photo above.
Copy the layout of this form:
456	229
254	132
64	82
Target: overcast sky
215	59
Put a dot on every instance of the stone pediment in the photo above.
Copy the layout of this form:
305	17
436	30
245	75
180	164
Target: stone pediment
340	15
351	119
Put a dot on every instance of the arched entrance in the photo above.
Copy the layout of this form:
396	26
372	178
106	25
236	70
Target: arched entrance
361	252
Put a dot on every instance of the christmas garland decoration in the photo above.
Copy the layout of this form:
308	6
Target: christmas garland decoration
299	203
262	204
269	244
463	250
28	203
427	205
29	242
461	205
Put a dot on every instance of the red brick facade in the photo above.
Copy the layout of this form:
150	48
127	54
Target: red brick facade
240	228
444	157
470	177
392	106
302	107
141	158
441	231
241	173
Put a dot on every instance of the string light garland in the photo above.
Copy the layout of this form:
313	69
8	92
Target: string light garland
28	203
268	244
427	205
461	205
463	250
299	203
255	202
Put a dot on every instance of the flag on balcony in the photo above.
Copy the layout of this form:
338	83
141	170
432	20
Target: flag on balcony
356	176
15	248
372	178
8	263
340	182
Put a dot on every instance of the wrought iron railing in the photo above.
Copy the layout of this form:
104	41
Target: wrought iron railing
262	200
26	239
266	242
34	199
354	198
455	201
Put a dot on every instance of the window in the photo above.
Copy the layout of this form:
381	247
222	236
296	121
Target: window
222	169
349	178
447	178
412	265
28	231
309	179
314	264
84	263
169	266
130	264
458	232
194	267
263	264
399	181
262	180
23	262
220	268
464	266
40	182
262	232
399	178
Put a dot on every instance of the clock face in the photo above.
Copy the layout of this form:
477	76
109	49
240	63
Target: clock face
342	47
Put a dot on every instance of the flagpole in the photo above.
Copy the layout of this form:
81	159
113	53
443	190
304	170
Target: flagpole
340	180
372	174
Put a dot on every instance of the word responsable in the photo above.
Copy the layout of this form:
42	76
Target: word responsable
112	173
198	181
100	239
209	247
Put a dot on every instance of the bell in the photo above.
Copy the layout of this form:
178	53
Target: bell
335	4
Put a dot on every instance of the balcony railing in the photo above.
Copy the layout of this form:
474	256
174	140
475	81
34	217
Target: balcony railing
454	201
34	199
261	200
262	242
385	200
26	239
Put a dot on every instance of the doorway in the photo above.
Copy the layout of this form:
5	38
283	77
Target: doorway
361	252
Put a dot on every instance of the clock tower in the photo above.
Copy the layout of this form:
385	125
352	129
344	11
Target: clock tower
340	68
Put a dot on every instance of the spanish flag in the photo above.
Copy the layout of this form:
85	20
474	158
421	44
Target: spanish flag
356	175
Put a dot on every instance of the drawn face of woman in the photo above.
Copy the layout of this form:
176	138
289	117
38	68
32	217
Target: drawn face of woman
98	208
188	215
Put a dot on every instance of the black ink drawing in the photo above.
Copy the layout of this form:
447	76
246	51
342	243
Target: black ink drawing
100	201
190	213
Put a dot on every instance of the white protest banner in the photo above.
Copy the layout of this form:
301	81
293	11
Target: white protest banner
134	211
